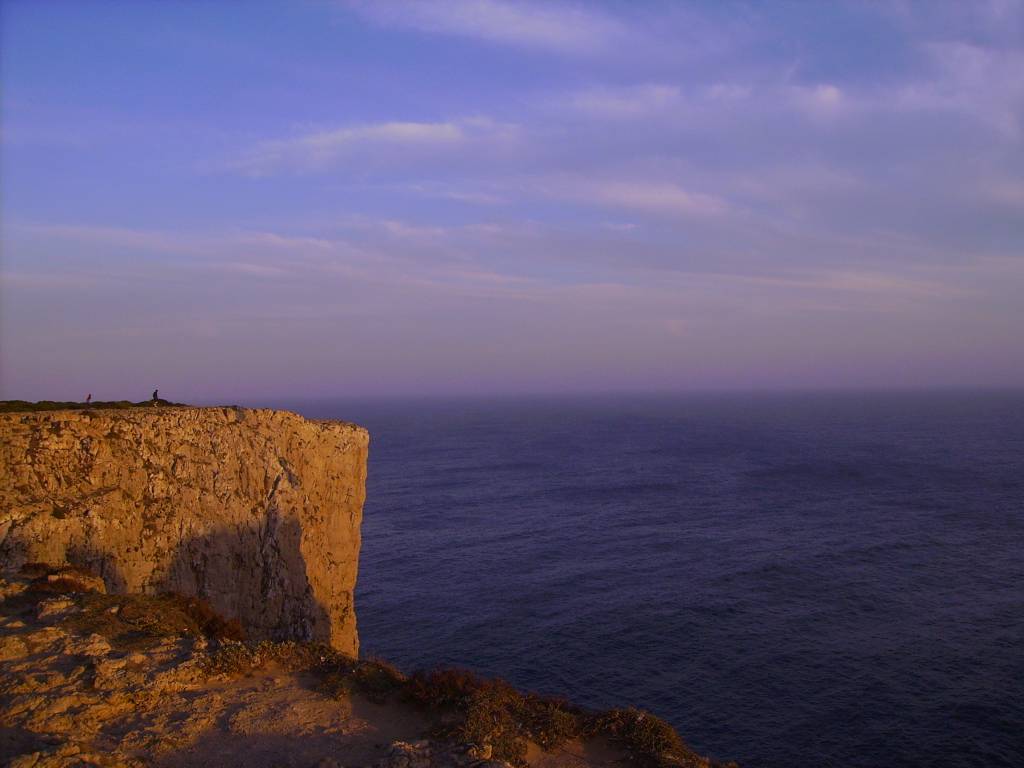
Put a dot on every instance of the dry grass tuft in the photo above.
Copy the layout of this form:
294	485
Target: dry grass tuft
210	623
653	740
64	579
493	712
238	658
129	621
442	688
374	678
137	622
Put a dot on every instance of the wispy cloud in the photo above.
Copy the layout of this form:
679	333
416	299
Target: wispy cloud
113	237
128	238
472	195
552	26
657	197
983	83
321	149
819	101
249	268
626	102
861	282
1004	192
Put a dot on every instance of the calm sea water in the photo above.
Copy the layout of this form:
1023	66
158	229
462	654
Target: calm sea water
790	580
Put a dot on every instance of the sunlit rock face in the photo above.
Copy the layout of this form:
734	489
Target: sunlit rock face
257	511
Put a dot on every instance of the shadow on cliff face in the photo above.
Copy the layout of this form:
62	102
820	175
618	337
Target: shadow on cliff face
19	741
102	564
256	574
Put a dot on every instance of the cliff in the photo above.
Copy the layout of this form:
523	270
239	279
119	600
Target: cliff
256	511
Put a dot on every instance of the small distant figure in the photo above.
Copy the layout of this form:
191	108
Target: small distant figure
88	399
156	395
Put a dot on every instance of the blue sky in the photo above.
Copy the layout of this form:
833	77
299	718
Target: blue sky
249	200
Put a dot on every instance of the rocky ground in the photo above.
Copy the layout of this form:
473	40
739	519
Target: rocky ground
89	679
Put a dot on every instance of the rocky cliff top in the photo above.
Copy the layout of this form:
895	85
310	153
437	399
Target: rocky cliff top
160	409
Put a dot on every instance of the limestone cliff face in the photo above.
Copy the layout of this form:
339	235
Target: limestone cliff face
257	511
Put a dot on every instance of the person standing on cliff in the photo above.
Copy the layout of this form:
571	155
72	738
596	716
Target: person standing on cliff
88	399
156	395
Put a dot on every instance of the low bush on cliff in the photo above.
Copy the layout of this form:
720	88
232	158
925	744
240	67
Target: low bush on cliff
442	688
651	739
129	621
136	622
65	579
489	716
237	658
492	712
210	623
374	678
340	675
550	721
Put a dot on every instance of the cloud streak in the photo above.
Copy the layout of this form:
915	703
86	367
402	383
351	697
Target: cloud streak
322	149
550	26
644	100
662	198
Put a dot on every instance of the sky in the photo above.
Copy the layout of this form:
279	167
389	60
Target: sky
233	201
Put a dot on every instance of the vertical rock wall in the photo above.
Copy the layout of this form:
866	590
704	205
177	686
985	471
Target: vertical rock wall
256	511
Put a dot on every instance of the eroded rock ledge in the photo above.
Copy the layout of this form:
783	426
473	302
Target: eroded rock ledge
256	511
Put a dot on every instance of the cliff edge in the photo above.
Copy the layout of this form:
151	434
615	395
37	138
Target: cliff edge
256	511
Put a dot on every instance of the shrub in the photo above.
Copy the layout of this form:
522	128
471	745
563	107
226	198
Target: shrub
132	617
137	622
210	623
443	688
489	718
244	657
653	741
550	722
374	678
492	712
232	657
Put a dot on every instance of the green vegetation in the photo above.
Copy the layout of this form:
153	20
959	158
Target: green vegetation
17	406
374	678
234	657
492	712
644	734
135	622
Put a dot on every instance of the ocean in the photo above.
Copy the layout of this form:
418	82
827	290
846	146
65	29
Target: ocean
816	579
